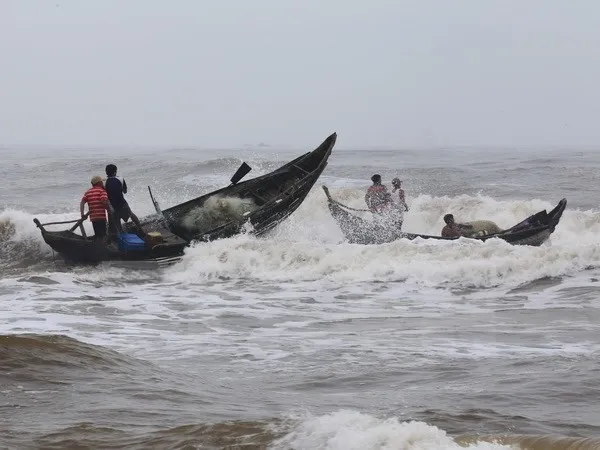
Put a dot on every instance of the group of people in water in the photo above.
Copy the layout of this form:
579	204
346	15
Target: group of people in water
380	201
383	202
107	197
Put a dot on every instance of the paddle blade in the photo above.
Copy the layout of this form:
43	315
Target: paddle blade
326	189
241	173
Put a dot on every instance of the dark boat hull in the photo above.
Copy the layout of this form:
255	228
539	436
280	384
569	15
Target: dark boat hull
533	231
274	197
75	248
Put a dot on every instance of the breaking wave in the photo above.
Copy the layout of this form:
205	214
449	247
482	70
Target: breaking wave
340	430
310	246
349	430
21	244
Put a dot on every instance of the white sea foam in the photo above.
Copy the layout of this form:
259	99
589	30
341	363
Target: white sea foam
25	228
349	430
309	246
302	275
301	319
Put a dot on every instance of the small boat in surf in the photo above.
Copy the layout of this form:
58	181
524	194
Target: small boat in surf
159	247
262	202
533	231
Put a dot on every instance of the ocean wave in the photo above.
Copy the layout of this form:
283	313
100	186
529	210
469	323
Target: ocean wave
251	435
340	430
21	243
36	354
310	246
348	430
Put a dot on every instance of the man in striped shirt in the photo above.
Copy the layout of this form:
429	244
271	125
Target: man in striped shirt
97	201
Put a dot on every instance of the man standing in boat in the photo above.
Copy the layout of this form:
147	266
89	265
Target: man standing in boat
115	190
378	198
97	201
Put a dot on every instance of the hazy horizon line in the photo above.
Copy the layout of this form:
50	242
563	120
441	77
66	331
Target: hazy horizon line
288	147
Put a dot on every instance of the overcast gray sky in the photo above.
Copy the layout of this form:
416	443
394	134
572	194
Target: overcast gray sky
229	72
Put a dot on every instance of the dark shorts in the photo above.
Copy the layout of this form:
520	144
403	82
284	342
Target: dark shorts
123	213
99	228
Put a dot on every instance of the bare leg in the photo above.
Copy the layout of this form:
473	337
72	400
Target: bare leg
114	226
135	220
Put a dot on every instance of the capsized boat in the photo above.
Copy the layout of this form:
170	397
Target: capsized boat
159	247
263	202
534	230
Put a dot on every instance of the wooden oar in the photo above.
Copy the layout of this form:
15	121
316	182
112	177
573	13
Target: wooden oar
240	173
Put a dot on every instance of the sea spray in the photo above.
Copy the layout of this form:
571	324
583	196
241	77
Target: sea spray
349	430
7	229
309	246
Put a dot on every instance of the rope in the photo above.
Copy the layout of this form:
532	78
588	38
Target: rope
348	207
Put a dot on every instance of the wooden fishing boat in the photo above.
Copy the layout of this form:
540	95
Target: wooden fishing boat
534	230
158	246
261	202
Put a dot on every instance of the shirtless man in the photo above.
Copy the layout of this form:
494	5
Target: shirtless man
453	229
377	198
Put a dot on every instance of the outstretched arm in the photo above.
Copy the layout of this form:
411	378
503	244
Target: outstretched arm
82	208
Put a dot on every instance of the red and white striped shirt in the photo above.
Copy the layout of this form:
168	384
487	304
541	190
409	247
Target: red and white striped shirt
96	199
